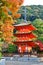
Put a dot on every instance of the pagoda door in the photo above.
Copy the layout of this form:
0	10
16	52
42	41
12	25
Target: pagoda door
22	48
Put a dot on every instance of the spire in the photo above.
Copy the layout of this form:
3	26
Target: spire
25	14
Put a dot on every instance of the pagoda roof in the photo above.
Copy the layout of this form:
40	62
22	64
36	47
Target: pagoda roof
29	35
40	44
29	43
30	27
25	37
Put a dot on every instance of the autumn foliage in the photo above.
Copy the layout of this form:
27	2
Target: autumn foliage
9	8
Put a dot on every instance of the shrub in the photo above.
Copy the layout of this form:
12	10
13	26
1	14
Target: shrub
12	48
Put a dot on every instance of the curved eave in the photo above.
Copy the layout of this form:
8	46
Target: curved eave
22	33
30	40
23	41
22	24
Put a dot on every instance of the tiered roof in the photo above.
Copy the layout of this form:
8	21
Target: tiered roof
24	32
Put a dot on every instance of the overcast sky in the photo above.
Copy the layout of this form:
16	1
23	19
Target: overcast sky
33	2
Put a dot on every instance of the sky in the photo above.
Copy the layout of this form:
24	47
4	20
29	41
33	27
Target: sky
33	2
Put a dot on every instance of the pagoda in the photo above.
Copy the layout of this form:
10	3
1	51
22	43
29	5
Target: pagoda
24	36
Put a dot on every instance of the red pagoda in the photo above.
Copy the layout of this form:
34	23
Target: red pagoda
24	36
